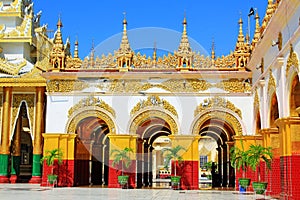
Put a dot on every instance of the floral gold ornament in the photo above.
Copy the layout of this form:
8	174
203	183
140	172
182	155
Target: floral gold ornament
91	102
217	102
153	101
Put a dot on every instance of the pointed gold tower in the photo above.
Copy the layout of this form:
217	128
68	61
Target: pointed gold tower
124	54
184	53
242	49
57	55
256	36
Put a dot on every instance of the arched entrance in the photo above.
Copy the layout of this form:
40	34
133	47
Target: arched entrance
218	121
218	131
21	149
295	97
92	152
149	147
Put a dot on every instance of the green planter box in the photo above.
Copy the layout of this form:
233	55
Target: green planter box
259	187
175	180
244	184
52	178
123	180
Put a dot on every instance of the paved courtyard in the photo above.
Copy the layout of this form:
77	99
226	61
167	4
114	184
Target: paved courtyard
35	192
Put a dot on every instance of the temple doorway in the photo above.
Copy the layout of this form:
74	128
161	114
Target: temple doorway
92	152
21	149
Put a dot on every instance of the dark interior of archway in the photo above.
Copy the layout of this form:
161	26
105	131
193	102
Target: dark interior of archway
222	133
274	111
258	122
92	152
148	132
21	149
295	96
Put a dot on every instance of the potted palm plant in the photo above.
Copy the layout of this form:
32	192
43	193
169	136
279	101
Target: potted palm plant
122	156
173	154
50	157
258	154
239	161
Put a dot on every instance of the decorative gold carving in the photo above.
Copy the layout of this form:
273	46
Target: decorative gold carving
234	86
73	122
153	101
292	60
271	84
226	117
147	115
256	100
11	68
22	31
14	7
66	85
30	103
217	102
91	102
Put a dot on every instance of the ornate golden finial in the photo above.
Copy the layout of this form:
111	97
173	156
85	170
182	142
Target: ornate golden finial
57	55
76	49
241	37
213	49
184	53
92	55
154	53
124	54
242	49
256	36
124	20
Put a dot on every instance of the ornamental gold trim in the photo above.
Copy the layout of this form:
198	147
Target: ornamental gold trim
88	112
66	85
217	102
148	115
271	84
91	102
215	114
234	86
29	100
152	102
256	100
292	61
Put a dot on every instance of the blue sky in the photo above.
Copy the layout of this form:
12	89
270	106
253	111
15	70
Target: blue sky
97	20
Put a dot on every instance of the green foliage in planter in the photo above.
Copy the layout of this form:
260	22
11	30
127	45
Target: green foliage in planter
121	156
258	153
173	154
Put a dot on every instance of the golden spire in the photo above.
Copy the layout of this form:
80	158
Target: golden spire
58	54
241	38
124	46
58	37
92	55
184	45
154	53
256	36
213	50
76	49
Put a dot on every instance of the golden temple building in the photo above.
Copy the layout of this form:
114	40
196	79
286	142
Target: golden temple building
51	98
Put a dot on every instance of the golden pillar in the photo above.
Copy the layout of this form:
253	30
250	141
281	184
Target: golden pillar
39	120
5	135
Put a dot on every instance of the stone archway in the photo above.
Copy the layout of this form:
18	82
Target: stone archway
91	120
149	125
221	125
